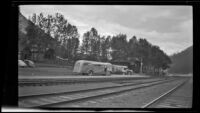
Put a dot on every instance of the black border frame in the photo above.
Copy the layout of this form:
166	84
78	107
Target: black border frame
10	78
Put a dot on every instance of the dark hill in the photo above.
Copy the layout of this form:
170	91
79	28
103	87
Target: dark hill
182	62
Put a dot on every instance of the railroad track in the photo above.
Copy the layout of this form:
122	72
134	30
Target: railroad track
167	100
49	82
49	100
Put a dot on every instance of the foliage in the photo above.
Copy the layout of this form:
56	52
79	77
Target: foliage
95	47
91	44
119	47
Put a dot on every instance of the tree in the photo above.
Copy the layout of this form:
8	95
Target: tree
151	56
85	48
64	34
75	43
104	47
159	59
144	50
133	48
91	45
33	39
95	44
71	40
49	54
119	46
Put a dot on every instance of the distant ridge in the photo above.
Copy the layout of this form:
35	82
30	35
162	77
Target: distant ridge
182	62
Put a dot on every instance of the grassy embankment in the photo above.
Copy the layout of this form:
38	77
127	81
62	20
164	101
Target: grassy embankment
43	69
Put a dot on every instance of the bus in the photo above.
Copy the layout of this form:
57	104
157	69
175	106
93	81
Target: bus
91	68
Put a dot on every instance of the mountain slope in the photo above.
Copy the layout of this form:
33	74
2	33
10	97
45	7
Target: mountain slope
182	62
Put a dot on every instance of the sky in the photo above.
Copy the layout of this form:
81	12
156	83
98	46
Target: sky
169	27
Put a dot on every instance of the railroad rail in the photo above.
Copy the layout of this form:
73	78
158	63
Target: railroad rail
164	98
49	100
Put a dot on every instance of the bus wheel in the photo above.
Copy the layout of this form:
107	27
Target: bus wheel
90	73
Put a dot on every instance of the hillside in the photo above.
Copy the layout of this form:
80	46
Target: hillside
46	41
23	23
182	62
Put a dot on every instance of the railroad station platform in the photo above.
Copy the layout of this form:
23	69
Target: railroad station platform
30	80
79	76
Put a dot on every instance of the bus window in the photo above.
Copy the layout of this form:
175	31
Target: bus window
85	64
77	65
98	65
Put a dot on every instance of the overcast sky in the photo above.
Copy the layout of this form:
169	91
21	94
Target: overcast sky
169	27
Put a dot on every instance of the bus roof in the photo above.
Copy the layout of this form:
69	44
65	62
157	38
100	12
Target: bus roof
119	66
102	63
94	62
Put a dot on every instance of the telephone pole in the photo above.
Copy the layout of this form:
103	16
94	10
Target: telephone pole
141	64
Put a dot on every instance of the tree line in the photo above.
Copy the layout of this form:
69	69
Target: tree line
62	39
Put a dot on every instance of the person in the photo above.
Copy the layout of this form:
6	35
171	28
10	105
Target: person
125	71
105	70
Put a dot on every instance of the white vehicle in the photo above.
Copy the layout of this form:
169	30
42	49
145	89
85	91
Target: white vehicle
128	71
119	69
21	63
92	67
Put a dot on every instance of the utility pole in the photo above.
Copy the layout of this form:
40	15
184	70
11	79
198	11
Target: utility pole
141	65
